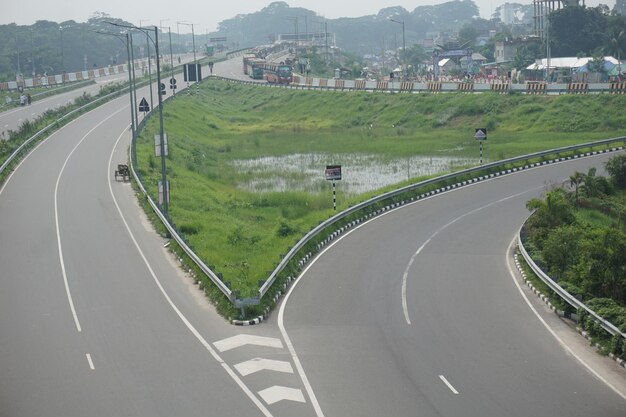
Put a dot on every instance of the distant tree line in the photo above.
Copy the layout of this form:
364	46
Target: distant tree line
52	48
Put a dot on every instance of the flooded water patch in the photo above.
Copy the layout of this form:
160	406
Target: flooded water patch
360	172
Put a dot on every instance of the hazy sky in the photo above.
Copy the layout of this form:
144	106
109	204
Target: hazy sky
205	15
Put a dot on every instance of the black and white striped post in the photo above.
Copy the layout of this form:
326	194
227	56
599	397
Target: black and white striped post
333	173
480	136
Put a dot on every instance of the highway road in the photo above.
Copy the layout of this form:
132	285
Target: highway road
416	313
96	319
12	118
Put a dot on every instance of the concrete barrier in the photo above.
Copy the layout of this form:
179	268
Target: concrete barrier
434	86
466	87
578	88
500	87
535	87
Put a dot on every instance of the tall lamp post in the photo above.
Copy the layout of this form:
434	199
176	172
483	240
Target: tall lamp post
62	58
195	62
165	188
295	27
149	63
401	22
169	32
130	78
193	38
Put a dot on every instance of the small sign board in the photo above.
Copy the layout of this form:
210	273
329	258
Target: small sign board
157	144
192	72
173	83
481	133
144	106
161	192
333	172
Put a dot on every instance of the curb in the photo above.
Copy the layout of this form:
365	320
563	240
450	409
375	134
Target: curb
546	300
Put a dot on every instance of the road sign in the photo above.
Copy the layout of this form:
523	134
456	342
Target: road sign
144	106
481	133
192	72
333	172
172	83
157	144
162	88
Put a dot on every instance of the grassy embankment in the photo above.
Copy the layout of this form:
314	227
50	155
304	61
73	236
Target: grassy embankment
242	234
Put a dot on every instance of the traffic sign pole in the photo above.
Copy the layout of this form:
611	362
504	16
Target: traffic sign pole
480	136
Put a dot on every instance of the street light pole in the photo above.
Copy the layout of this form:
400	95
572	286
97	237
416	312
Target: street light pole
403	42
130	79
195	63
134	81
149	65
164	207
169	32
62	58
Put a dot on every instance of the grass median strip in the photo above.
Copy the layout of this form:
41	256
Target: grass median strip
246	164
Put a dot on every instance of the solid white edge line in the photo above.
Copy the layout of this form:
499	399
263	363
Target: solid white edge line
292	351
448	384
179	313
552	332
56	220
90	362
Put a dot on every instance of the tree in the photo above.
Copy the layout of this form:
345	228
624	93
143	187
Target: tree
527	54
415	57
575	181
552	212
616	48
560	250
468	35
616	167
575	29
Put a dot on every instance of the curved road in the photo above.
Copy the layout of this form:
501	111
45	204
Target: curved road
416	313
97	320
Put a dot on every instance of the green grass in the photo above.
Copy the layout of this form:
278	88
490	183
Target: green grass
243	234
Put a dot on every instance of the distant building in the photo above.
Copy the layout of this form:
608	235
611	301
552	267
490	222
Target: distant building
507	50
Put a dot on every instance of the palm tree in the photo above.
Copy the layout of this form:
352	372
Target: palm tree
615	48
575	181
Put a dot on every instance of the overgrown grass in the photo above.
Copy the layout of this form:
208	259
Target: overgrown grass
243	234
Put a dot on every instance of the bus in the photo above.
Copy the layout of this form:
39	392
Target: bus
246	59
254	68
277	73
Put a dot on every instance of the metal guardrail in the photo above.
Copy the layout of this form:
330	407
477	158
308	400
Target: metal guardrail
203	267
172	231
569	298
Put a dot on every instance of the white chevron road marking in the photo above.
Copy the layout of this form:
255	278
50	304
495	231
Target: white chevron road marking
259	364
247	339
277	393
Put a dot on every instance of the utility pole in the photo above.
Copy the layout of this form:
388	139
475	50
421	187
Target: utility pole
149	64
164	207
403	42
